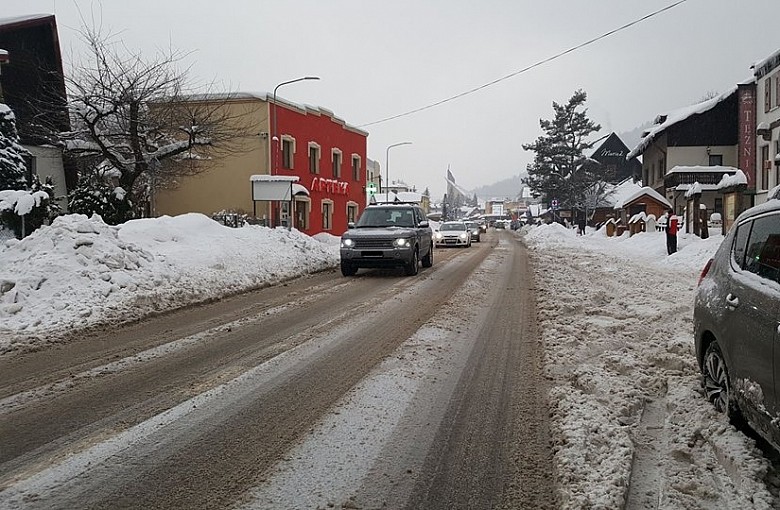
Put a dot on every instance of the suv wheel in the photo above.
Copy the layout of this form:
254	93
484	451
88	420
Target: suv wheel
348	269
717	385
413	266
427	261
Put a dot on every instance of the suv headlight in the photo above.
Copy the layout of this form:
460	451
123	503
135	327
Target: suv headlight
401	243
347	243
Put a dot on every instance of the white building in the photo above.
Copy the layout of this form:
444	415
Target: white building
767	76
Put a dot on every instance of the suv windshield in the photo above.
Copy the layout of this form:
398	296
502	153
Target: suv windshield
386	217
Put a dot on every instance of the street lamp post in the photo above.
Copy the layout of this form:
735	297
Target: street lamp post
275	138
387	168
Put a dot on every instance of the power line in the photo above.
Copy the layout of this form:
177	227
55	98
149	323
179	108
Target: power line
541	62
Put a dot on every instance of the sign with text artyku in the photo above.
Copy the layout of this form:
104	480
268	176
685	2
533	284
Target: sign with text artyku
331	186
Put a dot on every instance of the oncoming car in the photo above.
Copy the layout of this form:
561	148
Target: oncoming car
737	322
476	231
388	235
453	233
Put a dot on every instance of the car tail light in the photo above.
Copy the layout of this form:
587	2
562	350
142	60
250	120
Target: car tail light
704	272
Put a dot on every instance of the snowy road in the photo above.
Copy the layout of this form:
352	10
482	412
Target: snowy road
454	389
362	392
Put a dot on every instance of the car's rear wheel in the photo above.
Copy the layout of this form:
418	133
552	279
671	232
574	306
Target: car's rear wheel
427	260
348	269
717	385
413	266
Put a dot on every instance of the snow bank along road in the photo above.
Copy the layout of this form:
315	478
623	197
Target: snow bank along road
366	392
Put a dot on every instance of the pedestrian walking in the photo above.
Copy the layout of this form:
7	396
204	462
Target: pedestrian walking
671	232
581	226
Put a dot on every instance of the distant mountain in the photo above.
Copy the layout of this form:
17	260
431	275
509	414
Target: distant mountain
507	188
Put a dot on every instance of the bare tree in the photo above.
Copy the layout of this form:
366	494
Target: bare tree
140	118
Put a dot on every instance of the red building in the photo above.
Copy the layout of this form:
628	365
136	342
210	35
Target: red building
329	158
278	139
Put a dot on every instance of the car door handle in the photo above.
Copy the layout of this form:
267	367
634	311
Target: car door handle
732	301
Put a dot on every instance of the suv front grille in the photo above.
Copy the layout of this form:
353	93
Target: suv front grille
373	243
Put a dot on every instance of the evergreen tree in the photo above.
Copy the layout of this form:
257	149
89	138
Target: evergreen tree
95	195
12	154
560	170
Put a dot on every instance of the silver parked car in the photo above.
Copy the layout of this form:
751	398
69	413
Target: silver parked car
737	322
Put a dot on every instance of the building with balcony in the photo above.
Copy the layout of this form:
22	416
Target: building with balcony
767	118
704	134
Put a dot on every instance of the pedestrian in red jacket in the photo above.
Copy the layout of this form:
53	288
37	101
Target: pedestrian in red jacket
671	232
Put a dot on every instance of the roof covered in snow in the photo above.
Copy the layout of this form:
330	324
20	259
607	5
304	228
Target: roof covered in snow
669	119
645	191
22	20
683	169
733	180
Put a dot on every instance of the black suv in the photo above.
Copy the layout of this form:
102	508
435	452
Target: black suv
388	235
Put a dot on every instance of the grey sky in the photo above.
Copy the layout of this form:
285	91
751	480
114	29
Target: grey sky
381	58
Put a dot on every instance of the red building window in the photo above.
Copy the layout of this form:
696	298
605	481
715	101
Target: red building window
314	158
336	154
355	167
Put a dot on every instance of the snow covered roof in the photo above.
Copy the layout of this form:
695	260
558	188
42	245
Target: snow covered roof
3	55
15	20
682	169
622	191
762	67
733	180
409	196
665	121
269	97
692	189
646	190
274	178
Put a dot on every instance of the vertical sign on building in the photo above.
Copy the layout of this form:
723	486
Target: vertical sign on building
747	132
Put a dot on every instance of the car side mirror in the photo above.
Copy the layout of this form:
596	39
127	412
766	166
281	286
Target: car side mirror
424	223
351	224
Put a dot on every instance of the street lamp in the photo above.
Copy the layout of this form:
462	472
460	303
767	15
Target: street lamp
275	137
387	168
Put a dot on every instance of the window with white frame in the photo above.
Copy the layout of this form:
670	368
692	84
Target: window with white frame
355	167
336	162
302	212
327	214
288	150
352	212
314	158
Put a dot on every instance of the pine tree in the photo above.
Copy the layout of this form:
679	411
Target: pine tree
12	154
560	170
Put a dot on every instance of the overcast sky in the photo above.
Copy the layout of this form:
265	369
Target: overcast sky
382	58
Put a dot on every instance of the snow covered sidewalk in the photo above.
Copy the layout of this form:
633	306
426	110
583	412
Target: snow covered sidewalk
630	426
80	271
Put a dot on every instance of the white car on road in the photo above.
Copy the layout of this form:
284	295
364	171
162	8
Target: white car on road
453	233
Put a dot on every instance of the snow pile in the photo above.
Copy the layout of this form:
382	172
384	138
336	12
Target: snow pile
630	426
80	271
